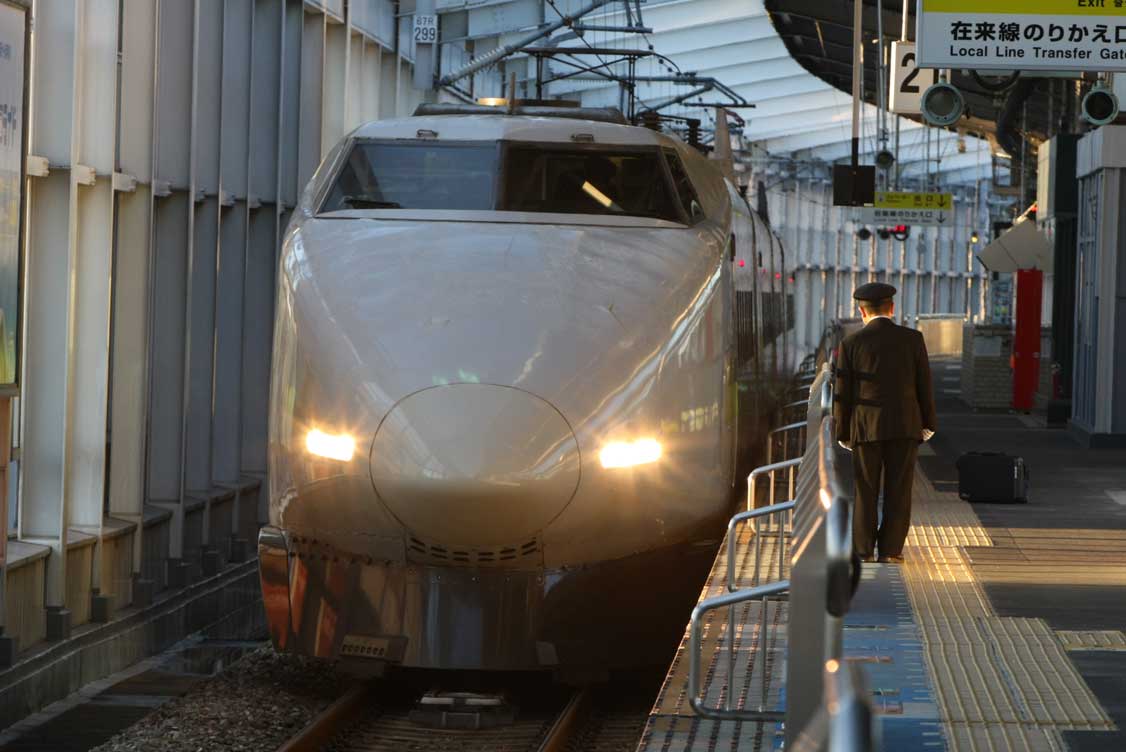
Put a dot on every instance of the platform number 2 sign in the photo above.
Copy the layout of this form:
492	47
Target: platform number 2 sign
908	81
426	28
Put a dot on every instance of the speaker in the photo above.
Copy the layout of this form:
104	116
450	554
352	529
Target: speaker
854	186
942	104
1100	106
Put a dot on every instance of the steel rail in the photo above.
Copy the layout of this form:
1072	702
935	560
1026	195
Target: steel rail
568	722
326	724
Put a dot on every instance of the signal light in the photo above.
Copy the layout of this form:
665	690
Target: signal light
899	232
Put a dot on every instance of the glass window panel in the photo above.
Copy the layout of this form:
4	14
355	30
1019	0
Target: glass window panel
588	181
684	190
416	175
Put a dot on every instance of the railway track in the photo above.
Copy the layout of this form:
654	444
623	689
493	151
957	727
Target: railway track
366	719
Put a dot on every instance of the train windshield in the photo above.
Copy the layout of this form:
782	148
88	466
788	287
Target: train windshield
540	178
518	177
416	175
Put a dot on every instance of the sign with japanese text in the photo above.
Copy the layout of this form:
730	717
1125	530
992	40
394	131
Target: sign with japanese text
1087	35
893	208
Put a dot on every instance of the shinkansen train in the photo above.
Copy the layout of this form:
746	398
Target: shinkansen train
503	408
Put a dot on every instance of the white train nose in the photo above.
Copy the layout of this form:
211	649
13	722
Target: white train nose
475	464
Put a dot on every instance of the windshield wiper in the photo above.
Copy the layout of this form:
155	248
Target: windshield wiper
362	202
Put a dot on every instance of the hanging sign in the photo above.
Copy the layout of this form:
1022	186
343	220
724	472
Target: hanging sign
893	208
1087	35
908	80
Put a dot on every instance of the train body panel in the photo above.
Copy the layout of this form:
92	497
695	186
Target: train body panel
485	419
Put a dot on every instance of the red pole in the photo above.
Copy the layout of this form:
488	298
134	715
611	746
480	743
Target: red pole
1026	343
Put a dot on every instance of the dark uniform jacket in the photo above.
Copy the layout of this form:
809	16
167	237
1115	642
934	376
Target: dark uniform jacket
883	388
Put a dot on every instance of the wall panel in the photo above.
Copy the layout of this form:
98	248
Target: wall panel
177	136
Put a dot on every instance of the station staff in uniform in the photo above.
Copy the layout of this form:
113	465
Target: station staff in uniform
884	407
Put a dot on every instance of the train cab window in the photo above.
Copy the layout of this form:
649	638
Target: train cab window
683	184
416	175
586	181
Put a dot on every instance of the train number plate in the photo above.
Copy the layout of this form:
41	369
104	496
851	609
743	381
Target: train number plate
379	648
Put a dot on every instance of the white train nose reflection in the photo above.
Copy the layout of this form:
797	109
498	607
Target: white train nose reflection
475	464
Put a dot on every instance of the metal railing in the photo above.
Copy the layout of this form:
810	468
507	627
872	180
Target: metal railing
785	433
773	519
844	722
730	600
755	514
813	528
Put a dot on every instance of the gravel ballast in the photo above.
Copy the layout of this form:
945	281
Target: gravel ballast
252	706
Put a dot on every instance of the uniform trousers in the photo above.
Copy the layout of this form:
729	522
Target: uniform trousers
894	459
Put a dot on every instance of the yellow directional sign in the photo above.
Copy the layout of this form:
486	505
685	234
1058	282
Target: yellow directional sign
894	200
895	208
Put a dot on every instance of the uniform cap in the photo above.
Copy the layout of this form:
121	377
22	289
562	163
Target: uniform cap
874	291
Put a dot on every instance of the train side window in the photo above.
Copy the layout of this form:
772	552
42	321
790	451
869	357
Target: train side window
684	190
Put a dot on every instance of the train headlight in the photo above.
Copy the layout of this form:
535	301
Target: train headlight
330	446
630	453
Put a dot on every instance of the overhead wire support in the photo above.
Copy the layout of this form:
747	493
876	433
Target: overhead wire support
623	29
498	54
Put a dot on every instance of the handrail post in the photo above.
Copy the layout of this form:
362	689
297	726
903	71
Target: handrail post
752	515
694	640
758	472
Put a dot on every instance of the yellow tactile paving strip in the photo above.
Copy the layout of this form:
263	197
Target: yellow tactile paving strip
1097	639
1001	683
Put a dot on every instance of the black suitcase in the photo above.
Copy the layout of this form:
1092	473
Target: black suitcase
992	476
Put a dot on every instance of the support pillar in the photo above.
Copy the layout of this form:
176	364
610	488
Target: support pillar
51	297
9	645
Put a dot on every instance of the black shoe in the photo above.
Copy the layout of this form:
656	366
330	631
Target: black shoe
891	559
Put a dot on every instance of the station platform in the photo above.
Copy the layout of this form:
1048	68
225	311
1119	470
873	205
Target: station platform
1003	629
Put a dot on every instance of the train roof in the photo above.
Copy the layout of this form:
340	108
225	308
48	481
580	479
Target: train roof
503	127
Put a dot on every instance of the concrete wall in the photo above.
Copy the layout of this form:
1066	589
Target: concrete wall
943	334
987	380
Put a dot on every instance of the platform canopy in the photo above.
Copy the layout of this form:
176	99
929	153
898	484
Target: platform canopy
1022	246
798	117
